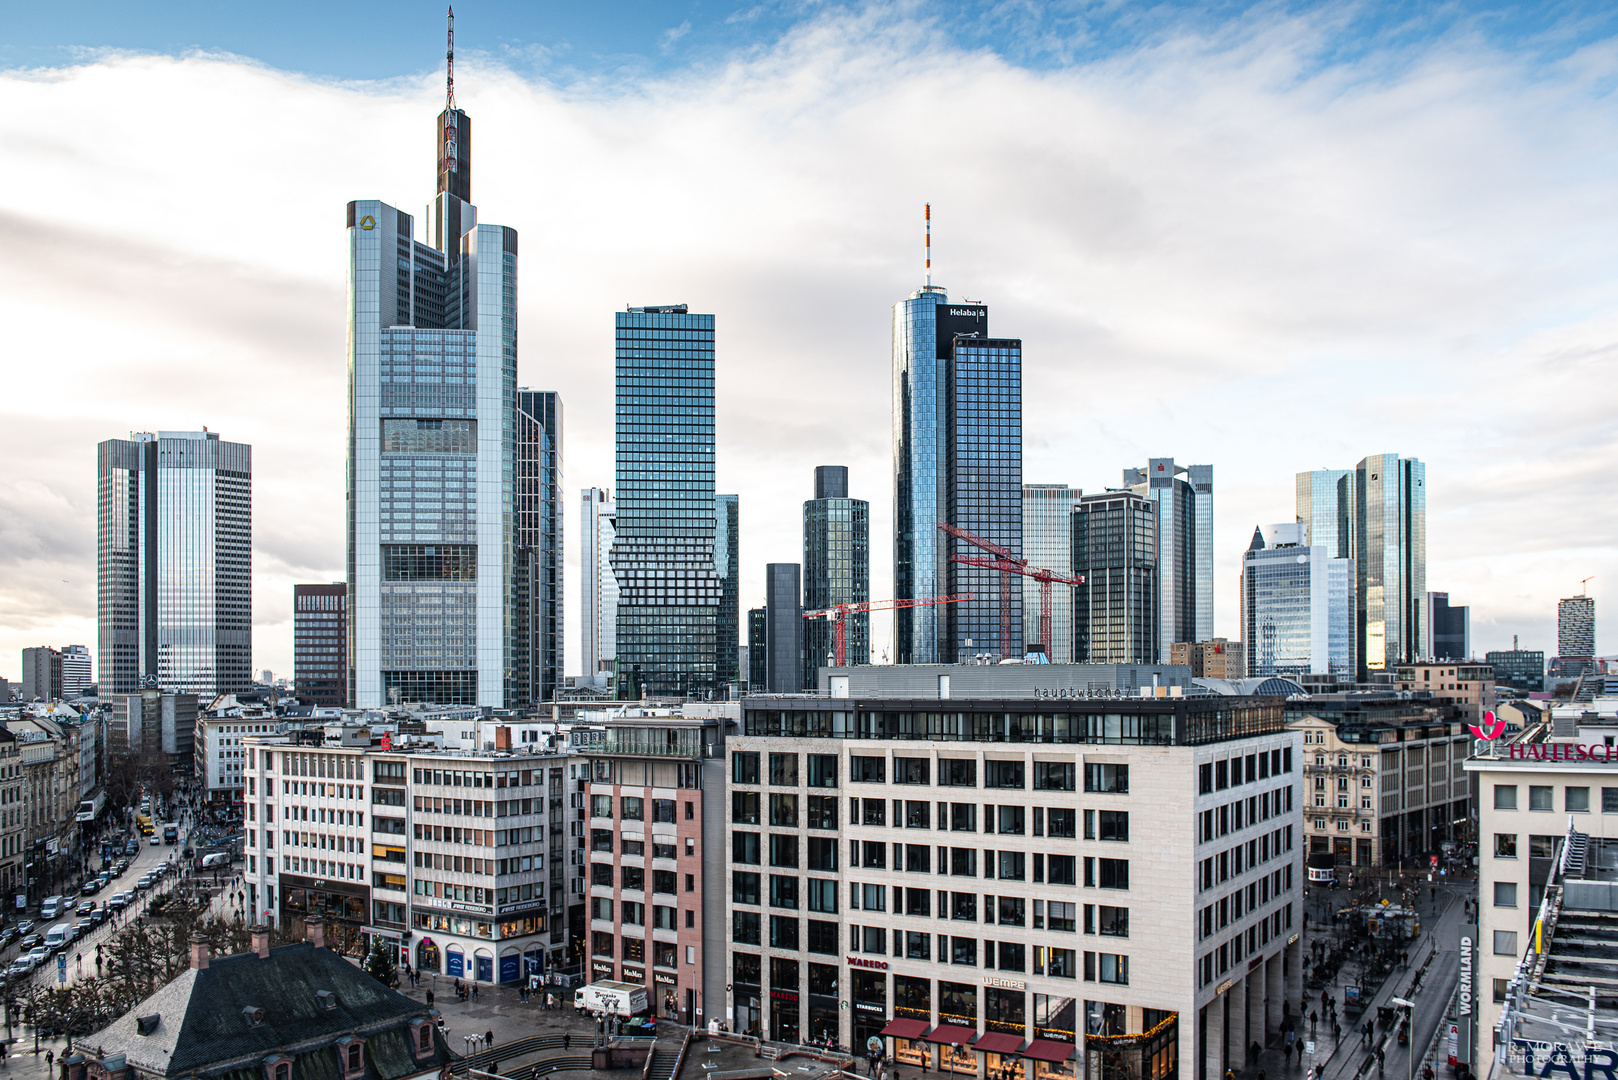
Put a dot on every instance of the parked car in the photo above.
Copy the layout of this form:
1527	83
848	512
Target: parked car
7	936
82	927
29	941
20	966
91	887
119	900
99	916
145	882
156	840
86	906
39	954
26	926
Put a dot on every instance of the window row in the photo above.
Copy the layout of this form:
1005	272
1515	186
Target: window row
1243	813
1575	800
1220	868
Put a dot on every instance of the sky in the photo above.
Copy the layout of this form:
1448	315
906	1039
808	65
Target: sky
1267	237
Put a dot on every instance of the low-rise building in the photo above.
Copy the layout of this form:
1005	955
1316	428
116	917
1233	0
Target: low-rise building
1016	871
1215	659
1520	669
1468	687
221	755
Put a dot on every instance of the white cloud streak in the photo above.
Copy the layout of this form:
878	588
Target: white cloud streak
1212	248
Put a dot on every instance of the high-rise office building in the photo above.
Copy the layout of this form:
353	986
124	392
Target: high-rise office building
1297	606
1448	628
727	557
41	674
1576	627
1519	669
320	643
77	673
1183	497
1375	514
1115	550
599	609
1047	542
174	562
757	649
433	559
538	576
669	593
836	569
925	328
783	628
983	495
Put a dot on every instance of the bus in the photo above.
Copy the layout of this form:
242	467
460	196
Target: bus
171	833
90	808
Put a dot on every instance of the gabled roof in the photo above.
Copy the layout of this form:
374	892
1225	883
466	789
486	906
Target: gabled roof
201	1024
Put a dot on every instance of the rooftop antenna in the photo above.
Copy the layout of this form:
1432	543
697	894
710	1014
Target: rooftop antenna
927	216
449	57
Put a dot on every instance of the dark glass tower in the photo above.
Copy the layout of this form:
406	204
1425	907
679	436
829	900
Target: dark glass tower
836	569
757	623
537	652
669	592
727	554
783	630
1115	551
983	484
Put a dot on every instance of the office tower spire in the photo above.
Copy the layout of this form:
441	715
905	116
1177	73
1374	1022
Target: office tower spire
927	216
449	66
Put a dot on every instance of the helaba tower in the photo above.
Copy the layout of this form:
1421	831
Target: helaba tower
432	444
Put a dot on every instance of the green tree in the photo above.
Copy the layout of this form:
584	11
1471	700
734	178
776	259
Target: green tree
380	963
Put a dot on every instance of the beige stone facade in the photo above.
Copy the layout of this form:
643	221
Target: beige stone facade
1467	687
1214	659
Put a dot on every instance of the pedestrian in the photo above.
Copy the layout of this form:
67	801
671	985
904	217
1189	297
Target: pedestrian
488	1038
567	1040
429	999
474	991
1314	1018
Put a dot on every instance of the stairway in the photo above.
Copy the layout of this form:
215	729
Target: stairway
663	1065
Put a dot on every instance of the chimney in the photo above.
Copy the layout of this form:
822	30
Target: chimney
199	952
261	940
314	931
502	738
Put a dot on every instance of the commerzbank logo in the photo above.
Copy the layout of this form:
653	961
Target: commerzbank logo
1491	729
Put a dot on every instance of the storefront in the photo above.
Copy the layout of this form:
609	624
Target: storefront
870	1000
955	1053
1051	1059
1151	1055
343	908
1002	1056
429	958
910	1046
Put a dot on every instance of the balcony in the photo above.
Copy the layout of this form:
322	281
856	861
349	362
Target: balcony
656	742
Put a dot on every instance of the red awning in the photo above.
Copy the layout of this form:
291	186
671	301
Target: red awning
1049	1050
996	1043
906	1029
948	1034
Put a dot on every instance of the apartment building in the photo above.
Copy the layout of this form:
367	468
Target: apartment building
1468	688
653	793
1386	789
457	856
1127	869
221	756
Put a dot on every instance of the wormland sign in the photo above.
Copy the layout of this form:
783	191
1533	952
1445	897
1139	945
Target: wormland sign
1463	1005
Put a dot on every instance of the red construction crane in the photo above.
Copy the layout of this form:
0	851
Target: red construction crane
837	612
1010	564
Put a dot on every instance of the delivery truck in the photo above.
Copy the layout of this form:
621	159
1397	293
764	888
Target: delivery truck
612	998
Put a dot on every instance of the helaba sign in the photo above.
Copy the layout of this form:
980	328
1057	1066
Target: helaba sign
1563	752
1492	728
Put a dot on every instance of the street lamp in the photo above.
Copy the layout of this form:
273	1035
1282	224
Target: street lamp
1410	1048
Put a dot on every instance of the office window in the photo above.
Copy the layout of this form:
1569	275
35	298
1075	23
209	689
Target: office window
783	891
1064	916
1055	775
784	850
918	946
873	897
868	770
744	887
1505	845
1576	800
1060	823
1106	779
1505	943
823	895
1013	956
820	812
1505	796
1541	797
821	853
634	808
1505	894
963	817
784	770
918	814
1012	911
822	937
964	906
1062	869
784	811
1062	964
744	927
1114	824
744	848
963	950
1114	873
1609	800
1013	866
783	932
743	807
907	770
874	940
1011	820
873	812
1113	921
954	772
744	767
874	854
1113	969
823	770
1003	774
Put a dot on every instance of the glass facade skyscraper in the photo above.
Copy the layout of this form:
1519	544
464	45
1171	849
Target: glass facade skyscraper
983	488
836	570
1297	606
727	559
1115	550
783	629
1183	496
435	609
174	563
925	326
599	589
1325	509
320	644
1047	543
538	652
663	556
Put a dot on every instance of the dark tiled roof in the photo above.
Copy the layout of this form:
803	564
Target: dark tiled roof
203	1022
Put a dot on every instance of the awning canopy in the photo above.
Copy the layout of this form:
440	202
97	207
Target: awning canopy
947	1034
1048	1050
995	1042
906	1029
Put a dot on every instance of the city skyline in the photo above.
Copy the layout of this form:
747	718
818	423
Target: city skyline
1509	574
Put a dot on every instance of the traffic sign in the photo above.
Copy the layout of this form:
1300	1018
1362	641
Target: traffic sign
61	968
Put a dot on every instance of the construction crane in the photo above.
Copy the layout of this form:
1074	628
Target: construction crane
837	612
1010	564
1584	585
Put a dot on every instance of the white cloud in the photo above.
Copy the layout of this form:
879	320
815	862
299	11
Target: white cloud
1211	248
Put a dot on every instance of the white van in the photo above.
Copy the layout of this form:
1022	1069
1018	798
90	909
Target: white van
58	936
216	858
51	907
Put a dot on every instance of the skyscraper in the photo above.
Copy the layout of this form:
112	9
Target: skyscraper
1375	514
41	674
1183	497
836	569
925	326
783	629
538	577
1448	628
1047	542
727	557
432	445
174	561
1576	628
983	493
320	643
599	609
1297	606
1115	549
669	592
757	649
77	676
1390	532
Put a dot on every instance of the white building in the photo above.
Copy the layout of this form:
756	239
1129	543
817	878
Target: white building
220	754
597	530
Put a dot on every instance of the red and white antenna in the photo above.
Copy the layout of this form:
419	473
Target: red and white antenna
449	57
927	215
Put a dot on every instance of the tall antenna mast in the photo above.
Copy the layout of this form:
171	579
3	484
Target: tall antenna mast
449	57
927	215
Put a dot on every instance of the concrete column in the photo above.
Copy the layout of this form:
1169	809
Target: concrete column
1273	989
